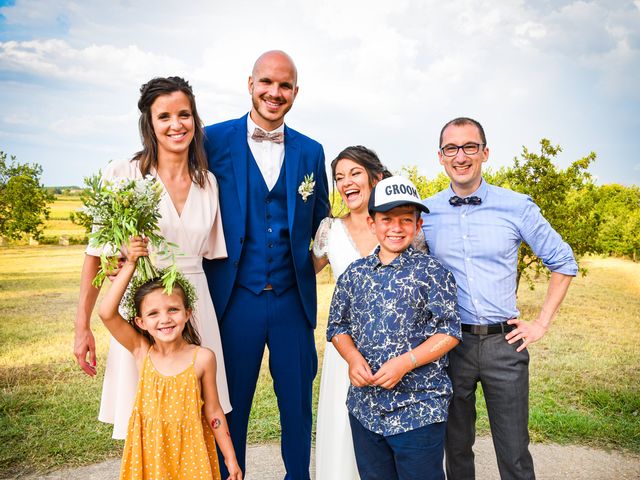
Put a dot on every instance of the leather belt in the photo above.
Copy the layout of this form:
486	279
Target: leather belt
503	327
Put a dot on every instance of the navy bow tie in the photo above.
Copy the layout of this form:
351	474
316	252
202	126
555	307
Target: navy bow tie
456	201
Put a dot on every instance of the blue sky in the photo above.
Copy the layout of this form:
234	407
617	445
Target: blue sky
383	74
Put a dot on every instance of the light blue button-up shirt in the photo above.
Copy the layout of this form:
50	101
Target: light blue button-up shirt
479	244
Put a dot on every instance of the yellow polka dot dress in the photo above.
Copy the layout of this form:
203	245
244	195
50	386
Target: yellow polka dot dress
168	437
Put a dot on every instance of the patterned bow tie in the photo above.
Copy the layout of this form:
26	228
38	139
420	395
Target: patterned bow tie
260	135
456	201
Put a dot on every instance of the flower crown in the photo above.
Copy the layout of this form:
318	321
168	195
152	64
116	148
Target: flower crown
169	277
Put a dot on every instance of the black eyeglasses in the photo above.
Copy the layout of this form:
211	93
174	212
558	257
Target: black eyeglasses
467	148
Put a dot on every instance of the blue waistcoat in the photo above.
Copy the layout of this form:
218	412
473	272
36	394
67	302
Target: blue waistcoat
266	256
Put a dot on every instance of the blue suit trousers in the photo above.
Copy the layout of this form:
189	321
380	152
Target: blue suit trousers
250	323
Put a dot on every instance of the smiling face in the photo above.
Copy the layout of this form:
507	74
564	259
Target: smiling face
173	123
273	89
163	316
395	230
353	183
465	171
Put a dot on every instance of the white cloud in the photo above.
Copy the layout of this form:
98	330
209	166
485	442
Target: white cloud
64	143
94	64
18	118
34	13
528	32
81	125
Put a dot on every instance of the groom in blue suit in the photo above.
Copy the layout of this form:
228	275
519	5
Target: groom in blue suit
273	194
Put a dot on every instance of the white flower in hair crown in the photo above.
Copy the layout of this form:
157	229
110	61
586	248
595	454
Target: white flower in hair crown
306	187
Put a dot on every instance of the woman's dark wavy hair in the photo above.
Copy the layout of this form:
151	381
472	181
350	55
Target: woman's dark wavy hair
189	333
148	156
367	159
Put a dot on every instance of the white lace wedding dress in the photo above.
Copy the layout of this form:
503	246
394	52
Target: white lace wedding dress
335	459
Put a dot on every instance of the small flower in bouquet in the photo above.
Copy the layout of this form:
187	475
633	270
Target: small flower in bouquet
121	208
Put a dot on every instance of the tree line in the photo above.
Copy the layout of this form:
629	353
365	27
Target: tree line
600	219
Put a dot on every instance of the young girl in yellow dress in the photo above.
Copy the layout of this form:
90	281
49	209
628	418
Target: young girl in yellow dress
171	430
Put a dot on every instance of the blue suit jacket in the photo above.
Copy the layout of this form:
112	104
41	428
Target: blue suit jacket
228	154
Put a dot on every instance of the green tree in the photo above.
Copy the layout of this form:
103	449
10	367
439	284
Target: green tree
618	210
79	217
565	198
23	200
426	188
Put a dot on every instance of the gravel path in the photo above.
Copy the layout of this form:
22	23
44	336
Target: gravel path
553	462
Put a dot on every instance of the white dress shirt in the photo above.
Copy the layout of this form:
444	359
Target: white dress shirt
268	155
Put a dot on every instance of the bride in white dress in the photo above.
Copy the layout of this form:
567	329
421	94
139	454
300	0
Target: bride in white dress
340	241
172	152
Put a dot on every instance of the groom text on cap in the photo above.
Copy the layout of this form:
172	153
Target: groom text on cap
398	189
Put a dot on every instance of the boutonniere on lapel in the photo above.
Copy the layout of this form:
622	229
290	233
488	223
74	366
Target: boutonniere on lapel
306	187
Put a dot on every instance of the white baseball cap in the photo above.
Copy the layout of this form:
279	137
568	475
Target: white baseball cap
393	192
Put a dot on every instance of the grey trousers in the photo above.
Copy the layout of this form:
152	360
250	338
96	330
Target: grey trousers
504	375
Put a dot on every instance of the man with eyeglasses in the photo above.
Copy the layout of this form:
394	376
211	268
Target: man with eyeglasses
475	229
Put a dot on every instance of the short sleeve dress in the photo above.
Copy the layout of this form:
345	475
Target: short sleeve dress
168	437
198	233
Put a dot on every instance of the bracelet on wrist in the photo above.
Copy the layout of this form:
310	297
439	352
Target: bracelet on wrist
414	361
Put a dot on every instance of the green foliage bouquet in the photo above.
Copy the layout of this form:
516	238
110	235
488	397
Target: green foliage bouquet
121	208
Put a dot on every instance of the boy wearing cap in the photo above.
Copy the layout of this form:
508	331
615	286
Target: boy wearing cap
393	318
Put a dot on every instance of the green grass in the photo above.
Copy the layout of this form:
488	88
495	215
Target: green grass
47	407
585	380
64	205
58	223
44	419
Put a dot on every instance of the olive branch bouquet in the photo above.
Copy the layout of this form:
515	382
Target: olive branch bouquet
121	208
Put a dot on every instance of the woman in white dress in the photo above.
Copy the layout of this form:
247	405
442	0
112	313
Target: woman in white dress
340	241
173	152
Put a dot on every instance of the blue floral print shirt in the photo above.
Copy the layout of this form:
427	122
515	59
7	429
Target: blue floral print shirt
388	310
